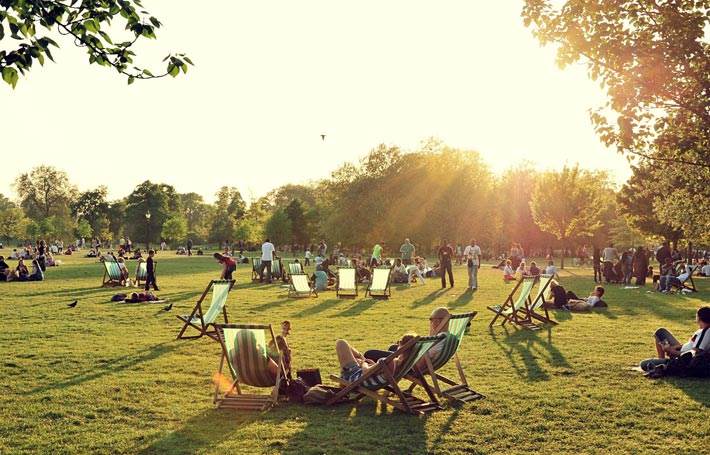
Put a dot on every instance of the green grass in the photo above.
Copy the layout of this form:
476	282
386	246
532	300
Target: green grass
111	378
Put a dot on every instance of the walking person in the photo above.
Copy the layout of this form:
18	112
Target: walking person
150	275
472	253
446	254
376	258
189	247
267	255
597	264
407	250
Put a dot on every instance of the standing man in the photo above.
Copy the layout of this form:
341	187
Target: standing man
446	254
267	255
150	272
609	255
663	253
189	247
376	255
407	250
322	249
472	253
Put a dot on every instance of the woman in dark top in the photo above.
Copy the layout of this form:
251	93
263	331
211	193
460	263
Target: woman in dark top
229	266
639	263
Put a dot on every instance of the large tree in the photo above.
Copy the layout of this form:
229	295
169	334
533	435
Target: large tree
147	209
90	24
568	204
45	191
92	206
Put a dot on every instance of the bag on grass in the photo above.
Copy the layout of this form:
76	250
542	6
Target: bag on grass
320	394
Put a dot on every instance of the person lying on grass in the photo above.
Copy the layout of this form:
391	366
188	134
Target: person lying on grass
593	301
668	347
353	364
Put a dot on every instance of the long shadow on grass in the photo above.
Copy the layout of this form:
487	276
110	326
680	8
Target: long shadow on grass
322	306
106	367
462	299
695	388
358	308
429	298
529	347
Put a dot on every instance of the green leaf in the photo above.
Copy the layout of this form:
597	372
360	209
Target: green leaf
188	60
131	79
173	70
9	75
91	25
184	68
148	73
2	32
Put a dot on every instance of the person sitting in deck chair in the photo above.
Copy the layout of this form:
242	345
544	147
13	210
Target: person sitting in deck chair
667	282
363	273
353	364
668	347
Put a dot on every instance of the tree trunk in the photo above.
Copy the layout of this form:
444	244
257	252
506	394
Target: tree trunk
562	259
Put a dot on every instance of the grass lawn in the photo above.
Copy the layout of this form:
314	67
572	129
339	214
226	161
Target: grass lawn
111	378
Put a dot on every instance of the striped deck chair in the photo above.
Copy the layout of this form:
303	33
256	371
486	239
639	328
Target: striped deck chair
295	268
247	352
112	272
380	378
689	283
380	284
456	392
142	272
300	287
516	311
201	320
346	285
277	270
544	294
255	266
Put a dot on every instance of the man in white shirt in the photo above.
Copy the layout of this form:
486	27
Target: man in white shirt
472	253
668	347
267	255
609	255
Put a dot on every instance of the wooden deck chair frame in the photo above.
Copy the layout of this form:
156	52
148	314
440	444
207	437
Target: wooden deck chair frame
233	397
198	313
456	392
685	284
539	301
293	291
350	292
516	310
142	272
402	401
255	266
380	293
110	279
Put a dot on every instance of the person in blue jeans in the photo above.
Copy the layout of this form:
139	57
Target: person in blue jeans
668	347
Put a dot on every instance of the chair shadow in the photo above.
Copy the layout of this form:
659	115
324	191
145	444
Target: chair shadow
462	299
273	304
429	298
322	306
358	308
530	348
111	366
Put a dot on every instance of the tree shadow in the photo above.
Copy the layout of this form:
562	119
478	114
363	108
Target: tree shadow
107	367
322	306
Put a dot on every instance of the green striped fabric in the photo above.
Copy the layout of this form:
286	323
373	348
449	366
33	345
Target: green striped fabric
346	279
255	264
220	291
276	268
142	271
525	289
113	270
543	288
294	268
247	356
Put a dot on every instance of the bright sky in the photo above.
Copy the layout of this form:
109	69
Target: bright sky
272	75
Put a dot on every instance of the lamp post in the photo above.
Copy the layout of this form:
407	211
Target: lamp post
147	230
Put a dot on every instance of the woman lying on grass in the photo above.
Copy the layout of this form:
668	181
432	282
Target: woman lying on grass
568	300
353	364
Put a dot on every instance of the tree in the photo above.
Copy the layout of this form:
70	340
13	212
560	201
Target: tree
197	215
175	229
229	209
297	219
147	199
91	24
45	191
652	57
278	228
83	229
116	213
12	223
92	206
567	204
5	203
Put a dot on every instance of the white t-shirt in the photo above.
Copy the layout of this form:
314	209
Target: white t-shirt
698	341
267	251
592	300
551	270
706	270
473	253
507	270
683	276
308	254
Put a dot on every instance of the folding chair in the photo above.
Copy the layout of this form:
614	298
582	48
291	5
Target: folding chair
112	272
346	285
142	272
380	378
277	270
295	268
457	392
380	284
200	320
544	294
689	283
516	311
300	287
248	355
255	266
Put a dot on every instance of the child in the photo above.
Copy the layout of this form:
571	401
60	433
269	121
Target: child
150	276
551	270
594	300
668	347
508	271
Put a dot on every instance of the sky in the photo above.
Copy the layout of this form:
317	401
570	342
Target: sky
272	76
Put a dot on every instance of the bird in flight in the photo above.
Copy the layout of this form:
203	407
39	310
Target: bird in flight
73	304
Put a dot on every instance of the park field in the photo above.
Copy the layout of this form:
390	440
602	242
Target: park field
110	378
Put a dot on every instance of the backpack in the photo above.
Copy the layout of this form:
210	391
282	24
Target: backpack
320	394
